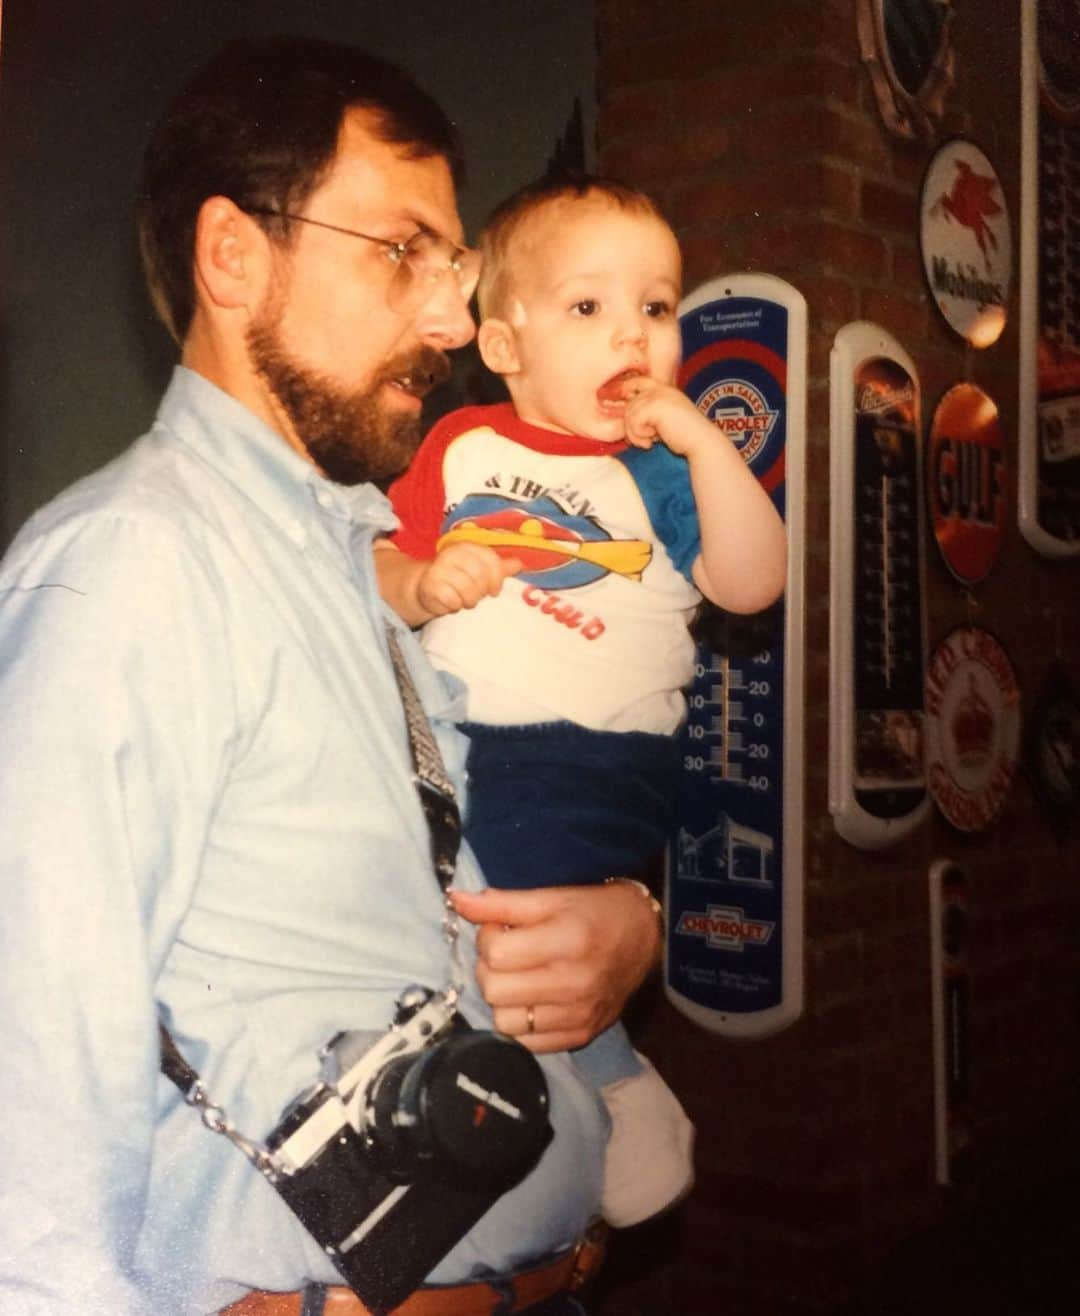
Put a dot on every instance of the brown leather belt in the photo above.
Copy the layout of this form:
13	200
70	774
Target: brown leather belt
566	1273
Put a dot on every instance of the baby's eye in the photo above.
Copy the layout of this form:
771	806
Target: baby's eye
588	306
657	310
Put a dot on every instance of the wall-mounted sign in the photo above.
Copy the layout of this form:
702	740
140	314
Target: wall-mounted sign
733	958
966	241
1052	751
949	990
965	465
973	727
908	51
877	781
1049	403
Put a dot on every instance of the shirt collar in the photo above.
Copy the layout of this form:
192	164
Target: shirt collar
256	458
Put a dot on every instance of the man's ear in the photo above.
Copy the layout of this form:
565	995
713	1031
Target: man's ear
231	256
498	347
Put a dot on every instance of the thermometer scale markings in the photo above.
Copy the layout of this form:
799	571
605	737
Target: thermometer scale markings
886	582
718	716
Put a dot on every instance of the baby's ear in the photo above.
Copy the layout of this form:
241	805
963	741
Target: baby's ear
498	347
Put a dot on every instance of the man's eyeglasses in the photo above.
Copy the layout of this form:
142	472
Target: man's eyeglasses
418	263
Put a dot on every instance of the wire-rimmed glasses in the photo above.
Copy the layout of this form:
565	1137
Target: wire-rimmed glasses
418	263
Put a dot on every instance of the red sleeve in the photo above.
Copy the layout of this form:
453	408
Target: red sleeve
418	497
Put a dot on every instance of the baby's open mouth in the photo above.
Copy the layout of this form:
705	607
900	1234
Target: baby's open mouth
620	388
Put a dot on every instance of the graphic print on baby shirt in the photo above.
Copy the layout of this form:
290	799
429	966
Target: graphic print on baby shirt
558	549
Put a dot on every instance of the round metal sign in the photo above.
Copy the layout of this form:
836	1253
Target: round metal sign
907	47
966	241
973	727
967	481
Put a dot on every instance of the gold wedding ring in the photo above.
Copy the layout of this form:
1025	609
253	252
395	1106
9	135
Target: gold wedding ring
530	1019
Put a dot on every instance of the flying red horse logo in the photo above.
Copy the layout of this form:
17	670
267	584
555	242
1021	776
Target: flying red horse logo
971	204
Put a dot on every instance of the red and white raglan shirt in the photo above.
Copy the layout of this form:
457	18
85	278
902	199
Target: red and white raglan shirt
594	628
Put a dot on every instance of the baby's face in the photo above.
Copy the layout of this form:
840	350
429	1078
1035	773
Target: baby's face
593	305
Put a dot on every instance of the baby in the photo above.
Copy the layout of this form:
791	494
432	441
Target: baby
554	548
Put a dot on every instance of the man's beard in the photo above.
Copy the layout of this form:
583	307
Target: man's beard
349	435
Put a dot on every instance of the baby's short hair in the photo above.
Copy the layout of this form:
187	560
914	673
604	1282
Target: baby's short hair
507	220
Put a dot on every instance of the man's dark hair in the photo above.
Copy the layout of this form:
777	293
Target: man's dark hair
259	124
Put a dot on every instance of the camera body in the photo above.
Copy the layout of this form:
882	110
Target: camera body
404	1145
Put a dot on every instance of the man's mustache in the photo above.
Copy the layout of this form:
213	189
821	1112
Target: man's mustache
419	371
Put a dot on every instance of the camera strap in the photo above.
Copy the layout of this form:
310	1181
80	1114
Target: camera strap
439	803
432	783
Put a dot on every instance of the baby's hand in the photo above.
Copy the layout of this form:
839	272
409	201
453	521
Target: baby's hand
661	411
460	576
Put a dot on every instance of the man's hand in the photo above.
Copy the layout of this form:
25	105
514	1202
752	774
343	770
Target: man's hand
571	955
460	575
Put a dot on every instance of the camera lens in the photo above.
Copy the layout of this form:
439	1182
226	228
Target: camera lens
471	1110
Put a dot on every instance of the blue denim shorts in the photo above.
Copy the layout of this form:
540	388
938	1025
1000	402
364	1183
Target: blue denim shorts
557	804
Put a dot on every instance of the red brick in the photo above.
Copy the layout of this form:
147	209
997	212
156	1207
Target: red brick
840	189
829	300
686	151
818	412
905	317
842	226
666	57
907	267
839	1027
909	163
788	132
821	244
893	209
623	21
858	139
749	195
788	26
836	968
705	255
631	111
769	193
839	79
758	86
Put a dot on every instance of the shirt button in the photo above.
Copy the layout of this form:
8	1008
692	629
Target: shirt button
324	498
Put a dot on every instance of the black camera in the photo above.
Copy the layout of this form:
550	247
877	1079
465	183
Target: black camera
403	1146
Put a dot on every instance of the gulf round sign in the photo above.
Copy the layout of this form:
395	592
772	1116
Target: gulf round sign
967	481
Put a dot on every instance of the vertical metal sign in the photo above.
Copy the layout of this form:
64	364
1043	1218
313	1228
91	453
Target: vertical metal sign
877	753
949	992
733	960
1049	399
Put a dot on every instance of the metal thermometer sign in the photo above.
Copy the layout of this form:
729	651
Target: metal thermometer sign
877	757
733	960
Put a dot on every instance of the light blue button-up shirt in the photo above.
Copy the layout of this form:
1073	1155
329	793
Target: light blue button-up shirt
206	808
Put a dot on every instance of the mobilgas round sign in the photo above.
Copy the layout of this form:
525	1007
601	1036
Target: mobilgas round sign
966	241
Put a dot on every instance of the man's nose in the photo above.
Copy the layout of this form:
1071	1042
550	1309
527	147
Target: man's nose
444	319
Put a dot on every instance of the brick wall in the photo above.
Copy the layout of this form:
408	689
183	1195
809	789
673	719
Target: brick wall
754	123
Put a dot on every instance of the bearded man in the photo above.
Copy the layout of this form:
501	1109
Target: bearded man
210	813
